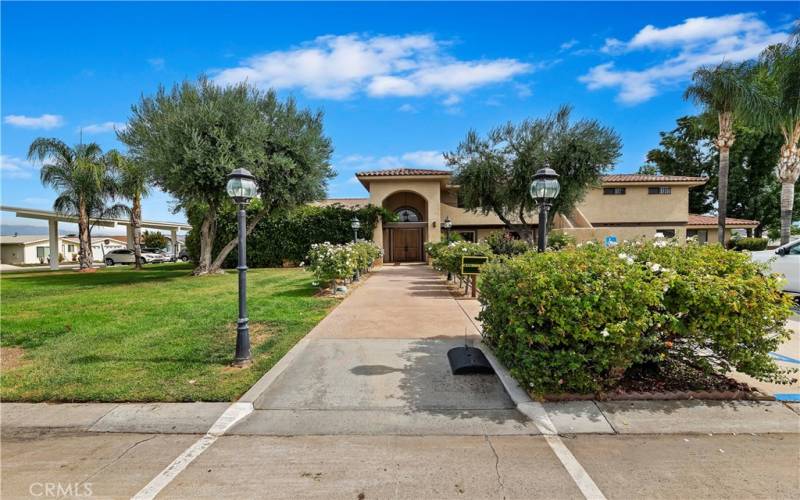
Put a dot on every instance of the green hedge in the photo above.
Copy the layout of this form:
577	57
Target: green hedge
751	244
577	320
288	236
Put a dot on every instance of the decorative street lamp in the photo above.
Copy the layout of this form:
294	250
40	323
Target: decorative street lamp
242	188
355	224
447	225
544	189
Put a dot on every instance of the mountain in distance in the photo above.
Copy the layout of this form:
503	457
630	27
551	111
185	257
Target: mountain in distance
27	230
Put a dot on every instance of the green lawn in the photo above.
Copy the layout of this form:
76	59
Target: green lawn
152	335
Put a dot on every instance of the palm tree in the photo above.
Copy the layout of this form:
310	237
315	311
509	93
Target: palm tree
83	181
132	183
781	63
727	91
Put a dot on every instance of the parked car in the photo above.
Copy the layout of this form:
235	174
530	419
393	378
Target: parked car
784	260
167	256
183	256
125	256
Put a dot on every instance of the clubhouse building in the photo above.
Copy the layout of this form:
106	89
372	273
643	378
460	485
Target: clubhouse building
627	206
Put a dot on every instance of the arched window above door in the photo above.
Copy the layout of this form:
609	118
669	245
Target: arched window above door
408	214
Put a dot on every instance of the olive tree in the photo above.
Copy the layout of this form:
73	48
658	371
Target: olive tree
494	172
192	137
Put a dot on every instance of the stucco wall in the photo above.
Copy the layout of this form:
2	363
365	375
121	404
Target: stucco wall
622	233
636	205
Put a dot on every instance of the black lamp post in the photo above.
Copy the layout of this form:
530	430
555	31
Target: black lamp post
544	189
355	224
242	188
447	225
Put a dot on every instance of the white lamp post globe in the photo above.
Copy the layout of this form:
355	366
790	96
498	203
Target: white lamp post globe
241	186
545	186
355	223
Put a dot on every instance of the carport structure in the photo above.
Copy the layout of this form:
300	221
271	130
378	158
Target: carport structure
53	218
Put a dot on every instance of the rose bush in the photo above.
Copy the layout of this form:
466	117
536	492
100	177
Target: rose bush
578	320
332	263
447	256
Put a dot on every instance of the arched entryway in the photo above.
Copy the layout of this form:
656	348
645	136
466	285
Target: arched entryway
402	240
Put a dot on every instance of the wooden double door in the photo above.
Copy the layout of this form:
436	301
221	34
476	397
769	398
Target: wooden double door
406	244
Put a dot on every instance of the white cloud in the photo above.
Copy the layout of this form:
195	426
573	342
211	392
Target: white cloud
451	100
45	121
408	108
157	63
102	128
613	46
412	159
686	46
697	29
12	167
569	44
339	67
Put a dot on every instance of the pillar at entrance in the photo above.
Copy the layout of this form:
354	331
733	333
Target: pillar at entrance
52	226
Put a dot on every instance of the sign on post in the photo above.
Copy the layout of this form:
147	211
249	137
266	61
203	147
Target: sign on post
471	265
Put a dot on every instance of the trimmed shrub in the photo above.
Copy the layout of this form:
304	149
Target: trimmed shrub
331	263
559	239
502	243
448	256
751	244
577	320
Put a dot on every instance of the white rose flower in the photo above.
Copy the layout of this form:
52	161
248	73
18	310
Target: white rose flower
604	333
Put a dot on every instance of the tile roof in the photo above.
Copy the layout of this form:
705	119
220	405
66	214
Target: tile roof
23	239
711	220
348	202
402	171
651	178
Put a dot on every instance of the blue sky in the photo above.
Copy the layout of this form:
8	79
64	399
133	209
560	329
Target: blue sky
399	83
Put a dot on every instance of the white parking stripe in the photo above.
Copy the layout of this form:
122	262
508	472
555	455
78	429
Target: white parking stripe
574	468
228	419
538	415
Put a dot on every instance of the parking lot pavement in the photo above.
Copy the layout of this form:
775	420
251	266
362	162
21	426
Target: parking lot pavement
83	464
692	466
786	356
368	467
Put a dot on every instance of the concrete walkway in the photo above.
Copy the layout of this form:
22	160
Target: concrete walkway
378	365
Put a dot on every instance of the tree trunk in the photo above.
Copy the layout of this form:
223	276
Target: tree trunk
788	171
217	264
722	193
136	224
208	231
787	206
724	142
524	229
85	252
